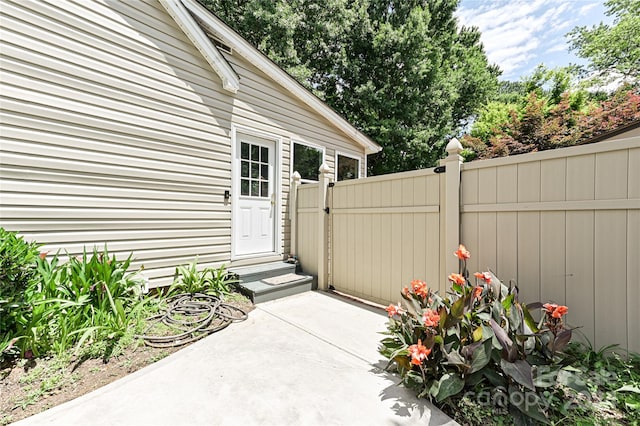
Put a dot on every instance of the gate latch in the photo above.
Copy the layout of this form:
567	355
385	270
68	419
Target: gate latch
326	210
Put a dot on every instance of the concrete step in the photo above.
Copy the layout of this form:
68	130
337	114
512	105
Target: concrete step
262	291
262	271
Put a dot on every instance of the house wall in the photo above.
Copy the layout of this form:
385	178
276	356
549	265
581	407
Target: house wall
564	225
115	130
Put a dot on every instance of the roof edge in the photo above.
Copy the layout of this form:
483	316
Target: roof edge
185	21
262	62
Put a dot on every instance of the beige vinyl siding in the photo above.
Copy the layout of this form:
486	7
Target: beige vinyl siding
115	130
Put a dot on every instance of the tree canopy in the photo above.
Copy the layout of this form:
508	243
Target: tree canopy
613	51
404	73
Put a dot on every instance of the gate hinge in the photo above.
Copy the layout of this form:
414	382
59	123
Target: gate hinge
332	184
326	210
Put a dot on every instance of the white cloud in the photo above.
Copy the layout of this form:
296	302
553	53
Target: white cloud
558	47
515	32
586	8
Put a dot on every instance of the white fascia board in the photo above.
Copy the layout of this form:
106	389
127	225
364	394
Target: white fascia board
255	57
200	40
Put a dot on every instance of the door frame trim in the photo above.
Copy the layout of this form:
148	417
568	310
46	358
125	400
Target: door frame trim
235	188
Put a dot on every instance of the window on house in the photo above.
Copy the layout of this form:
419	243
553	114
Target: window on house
306	161
347	167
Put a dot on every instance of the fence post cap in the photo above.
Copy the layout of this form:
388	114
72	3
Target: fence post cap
296	177
454	147
324	169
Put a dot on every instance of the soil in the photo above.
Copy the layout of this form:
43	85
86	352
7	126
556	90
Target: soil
30	387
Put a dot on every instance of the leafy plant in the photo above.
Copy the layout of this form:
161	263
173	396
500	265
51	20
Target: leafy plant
613	379
188	279
90	297
17	272
482	339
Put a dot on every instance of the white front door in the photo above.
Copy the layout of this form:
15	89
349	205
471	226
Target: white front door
254	212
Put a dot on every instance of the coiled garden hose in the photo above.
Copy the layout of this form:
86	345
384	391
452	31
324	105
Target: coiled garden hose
189	317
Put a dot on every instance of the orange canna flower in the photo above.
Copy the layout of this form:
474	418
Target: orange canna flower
420	288
43	254
560	311
418	353
484	276
430	318
457	278
554	310
462	252
405	292
477	292
393	310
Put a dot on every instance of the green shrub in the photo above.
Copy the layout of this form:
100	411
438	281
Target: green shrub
480	340
188	279
17	272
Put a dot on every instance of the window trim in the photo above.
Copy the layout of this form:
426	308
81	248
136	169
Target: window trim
348	155
320	148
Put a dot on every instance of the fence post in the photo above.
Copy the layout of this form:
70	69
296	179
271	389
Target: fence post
323	184
453	164
293	213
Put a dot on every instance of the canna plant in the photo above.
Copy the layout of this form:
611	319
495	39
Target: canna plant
479	338
91	296
212	281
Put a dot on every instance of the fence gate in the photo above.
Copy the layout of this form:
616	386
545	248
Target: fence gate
384	232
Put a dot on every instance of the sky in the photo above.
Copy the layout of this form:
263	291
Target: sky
520	34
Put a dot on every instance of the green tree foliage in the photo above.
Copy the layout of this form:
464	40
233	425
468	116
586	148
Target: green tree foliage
541	125
492	119
510	92
402	72
612	50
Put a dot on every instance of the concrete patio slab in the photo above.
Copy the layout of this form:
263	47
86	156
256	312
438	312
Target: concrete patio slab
308	359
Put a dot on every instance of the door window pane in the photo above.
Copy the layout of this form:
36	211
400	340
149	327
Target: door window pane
254	170
347	167
306	161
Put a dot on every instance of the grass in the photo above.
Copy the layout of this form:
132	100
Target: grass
43	379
